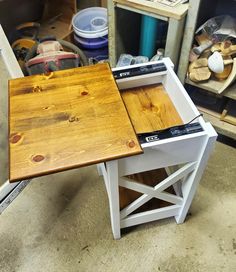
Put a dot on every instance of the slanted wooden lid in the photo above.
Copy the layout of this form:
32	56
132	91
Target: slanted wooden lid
67	119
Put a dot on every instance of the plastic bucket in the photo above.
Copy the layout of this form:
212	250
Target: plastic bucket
91	43
90	32
93	48
90	23
97	54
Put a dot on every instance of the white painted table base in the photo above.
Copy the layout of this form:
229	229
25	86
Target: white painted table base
188	175
184	158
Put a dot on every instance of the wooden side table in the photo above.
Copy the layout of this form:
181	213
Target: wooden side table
174	16
74	118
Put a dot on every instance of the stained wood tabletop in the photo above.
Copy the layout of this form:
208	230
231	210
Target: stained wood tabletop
150	108
67	119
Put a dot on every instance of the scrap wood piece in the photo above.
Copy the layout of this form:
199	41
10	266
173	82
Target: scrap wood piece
230	79
229	113
199	71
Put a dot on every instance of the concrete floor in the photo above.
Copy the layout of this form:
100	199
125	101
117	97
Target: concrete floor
61	223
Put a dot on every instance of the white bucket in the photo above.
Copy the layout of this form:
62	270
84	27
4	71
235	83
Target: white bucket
91	23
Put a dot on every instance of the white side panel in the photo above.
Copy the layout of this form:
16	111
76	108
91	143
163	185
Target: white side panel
183	103
9	57
138	81
163	155
9	69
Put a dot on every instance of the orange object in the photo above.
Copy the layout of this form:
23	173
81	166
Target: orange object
223	75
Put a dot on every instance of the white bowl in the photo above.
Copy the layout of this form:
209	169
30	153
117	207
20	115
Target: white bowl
216	63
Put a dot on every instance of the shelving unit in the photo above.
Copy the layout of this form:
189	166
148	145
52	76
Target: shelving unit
197	15
174	16
213	85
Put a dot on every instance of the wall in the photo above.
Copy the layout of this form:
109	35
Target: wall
3	123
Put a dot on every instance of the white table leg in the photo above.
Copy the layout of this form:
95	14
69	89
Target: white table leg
190	185
113	195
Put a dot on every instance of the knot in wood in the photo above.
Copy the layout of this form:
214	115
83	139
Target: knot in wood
15	138
37	89
73	119
38	158
130	143
48	75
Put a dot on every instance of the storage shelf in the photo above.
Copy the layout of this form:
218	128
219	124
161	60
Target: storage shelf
178	12
213	86
59	29
221	127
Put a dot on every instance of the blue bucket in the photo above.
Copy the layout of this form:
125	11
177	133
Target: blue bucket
95	43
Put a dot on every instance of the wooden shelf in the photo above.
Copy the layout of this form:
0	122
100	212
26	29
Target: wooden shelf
213	86
58	28
57	17
220	126
177	12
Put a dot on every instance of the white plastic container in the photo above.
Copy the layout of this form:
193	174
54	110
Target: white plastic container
91	23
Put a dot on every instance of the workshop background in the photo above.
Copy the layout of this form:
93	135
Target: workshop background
61	222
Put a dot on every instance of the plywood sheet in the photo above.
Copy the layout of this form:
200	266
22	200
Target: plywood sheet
67	119
150	108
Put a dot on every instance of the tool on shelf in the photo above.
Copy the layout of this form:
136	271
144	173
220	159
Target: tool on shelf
49	55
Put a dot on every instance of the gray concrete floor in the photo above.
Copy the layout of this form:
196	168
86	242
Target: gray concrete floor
61	223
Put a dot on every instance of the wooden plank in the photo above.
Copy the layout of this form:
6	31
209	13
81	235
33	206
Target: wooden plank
65	120
58	29
224	116
104	3
220	126
188	36
174	36
65	9
177	12
112	38
229	114
213	86
150	108
57	18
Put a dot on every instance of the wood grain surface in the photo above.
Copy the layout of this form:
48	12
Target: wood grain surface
67	119
150	108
